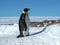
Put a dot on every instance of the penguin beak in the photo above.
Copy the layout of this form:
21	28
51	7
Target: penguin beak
29	8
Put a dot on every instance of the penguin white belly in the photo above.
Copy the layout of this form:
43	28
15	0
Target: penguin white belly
25	33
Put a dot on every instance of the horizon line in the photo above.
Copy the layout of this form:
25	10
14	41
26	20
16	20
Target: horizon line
31	16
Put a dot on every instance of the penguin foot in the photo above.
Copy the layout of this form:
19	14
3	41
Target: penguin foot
27	35
19	36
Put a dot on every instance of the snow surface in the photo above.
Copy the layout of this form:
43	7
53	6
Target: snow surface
51	35
13	20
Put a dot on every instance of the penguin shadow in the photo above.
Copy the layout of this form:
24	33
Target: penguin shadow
39	31
19	36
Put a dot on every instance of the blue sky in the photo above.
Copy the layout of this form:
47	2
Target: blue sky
38	7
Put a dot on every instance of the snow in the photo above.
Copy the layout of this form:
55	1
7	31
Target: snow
51	35
13	20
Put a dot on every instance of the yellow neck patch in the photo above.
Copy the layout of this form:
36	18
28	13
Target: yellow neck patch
24	12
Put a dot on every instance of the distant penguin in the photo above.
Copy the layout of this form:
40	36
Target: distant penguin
24	23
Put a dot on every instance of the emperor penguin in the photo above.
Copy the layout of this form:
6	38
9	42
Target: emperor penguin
24	23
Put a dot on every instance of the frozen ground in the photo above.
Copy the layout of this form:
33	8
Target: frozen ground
51	35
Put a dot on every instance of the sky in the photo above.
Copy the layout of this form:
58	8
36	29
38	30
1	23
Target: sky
37	7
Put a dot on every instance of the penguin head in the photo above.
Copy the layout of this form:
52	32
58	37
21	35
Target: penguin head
26	9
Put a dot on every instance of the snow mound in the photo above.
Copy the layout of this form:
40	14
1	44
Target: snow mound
54	30
51	35
8	29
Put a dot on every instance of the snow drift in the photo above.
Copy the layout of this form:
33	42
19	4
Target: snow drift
51	35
